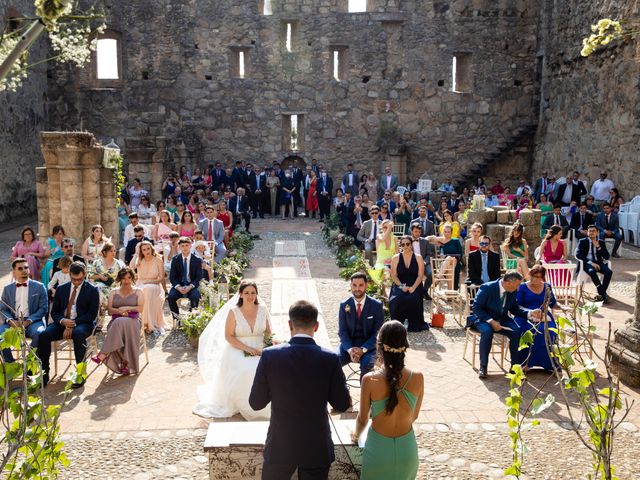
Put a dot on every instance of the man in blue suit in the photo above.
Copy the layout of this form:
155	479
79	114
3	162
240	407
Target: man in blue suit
359	319
26	298
325	187
491	308
299	378
74	313
593	253
609	227
185	276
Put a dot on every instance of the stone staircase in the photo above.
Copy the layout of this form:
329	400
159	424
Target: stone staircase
519	136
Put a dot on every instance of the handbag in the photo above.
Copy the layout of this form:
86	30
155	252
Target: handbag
437	319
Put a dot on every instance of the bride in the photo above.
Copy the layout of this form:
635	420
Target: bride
228	354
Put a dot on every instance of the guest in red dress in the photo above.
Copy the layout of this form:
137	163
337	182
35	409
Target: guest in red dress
312	197
226	217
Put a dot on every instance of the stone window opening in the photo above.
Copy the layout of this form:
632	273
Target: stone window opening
239	62
107	59
266	7
289	35
292	132
461	73
339	63
357	6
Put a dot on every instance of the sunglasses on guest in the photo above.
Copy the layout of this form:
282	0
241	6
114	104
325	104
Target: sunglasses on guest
406	244
484	244
26	267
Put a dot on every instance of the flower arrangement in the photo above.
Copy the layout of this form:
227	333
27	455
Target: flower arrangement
267	341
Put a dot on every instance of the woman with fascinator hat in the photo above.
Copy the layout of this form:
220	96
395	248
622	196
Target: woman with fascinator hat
392	395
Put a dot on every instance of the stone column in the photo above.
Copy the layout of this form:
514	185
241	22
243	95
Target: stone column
75	192
42	201
397	160
625	350
146	157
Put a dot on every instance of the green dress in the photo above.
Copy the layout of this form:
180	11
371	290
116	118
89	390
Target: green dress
545	209
56	252
385	458
405	219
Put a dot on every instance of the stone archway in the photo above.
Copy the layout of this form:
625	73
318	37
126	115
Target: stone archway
288	161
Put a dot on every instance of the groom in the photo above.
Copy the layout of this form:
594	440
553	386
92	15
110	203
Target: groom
299	378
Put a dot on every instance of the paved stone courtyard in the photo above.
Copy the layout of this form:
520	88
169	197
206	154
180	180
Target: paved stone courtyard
141	427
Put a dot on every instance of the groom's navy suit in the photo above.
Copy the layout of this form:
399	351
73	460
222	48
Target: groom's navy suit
359	332
488	304
298	378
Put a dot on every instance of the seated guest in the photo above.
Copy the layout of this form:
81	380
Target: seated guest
446	186
491	200
425	249
52	252
201	249
386	198
151	279
451	249
593	253
369	232
391	395
359	319
121	347
187	226
213	230
138	236
24	298
128	230
531	296
185	276
452	203
240	208
74	312
472	243
483	265
170	250
497	189
449	220
385	213
68	245
426	223
92	246
406	296
163	228
556	218
516	250
490	314
461	217
61	276
226	217
608	227
30	249
552	248
386	248
105	269
580	221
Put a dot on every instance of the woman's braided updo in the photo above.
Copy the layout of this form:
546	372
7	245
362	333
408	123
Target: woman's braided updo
391	346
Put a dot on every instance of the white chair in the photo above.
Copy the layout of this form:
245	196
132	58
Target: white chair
623	221
561	278
400	189
633	224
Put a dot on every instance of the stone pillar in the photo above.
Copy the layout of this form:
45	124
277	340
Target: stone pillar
146	157
78	191
42	201
625	350
397	160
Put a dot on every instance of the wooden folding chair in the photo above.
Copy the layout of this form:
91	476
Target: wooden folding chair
441	293
66	346
499	346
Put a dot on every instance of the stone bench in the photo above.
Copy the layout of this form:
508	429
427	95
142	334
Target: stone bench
235	450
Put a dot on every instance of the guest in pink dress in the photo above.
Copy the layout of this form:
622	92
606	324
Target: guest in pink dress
553	249
31	249
187	227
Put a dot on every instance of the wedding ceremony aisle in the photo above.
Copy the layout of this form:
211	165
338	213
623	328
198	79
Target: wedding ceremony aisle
141	427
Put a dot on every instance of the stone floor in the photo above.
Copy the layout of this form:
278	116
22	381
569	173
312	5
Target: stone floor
141	427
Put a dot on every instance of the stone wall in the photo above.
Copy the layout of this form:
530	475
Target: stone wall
591	106
22	116
177	57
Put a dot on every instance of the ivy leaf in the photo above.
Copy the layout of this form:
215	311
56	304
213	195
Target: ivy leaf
539	405
526	340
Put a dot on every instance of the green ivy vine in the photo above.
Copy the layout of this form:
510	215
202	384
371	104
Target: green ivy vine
118	178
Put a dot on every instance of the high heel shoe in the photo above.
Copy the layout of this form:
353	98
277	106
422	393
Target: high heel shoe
124	371
96	359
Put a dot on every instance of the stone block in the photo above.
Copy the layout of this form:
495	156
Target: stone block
500	208
530	217
484	217
506	216
496	232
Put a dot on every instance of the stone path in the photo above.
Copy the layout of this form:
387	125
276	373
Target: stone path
141	427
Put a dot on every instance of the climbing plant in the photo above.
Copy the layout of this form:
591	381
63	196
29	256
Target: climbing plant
118	177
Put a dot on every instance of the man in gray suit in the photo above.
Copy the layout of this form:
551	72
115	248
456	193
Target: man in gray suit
26	298
426	250
351	182
388	181
368	233
213	231
427	226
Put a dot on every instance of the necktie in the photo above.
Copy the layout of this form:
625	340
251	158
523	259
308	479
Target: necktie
544	185
607	222
375	232
21	285
72	299
358	220
238	204
210	232
581	222
593	253
184	272
485	268
358	310
557	220
503	299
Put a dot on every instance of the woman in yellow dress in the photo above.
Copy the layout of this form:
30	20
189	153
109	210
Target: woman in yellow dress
449	220
386	248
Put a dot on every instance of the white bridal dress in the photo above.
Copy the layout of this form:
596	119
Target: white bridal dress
227	372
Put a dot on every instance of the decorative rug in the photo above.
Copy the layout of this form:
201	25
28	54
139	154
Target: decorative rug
290	248
291	267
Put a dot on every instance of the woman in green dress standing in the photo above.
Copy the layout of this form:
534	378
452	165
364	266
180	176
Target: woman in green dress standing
52	252
546	207
392	395
403	215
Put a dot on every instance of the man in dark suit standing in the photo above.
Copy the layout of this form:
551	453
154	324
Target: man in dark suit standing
239	207
74	312
359	319
297	175
483	265
490	314
350	181
185	276
426	250
357	215
26	298
608	227
571	191
592	252
218	177
453	202
258	184
67	248
325	187
298	378
238	177
542	186
556	218
580	221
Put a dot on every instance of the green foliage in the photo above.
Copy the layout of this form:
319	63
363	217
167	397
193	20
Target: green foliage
577	376
118	178
31	433
195	322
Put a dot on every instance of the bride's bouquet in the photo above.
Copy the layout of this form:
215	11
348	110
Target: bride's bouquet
267	341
